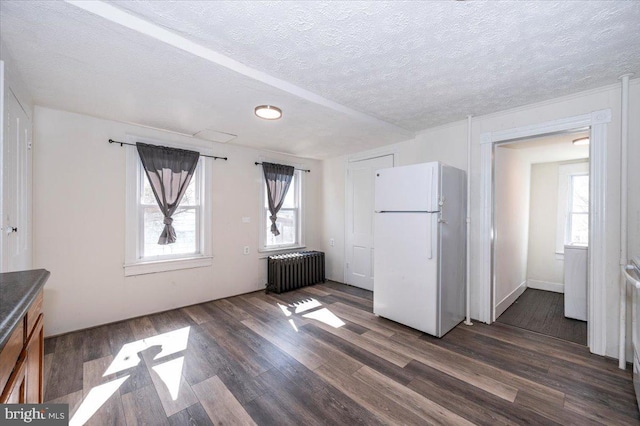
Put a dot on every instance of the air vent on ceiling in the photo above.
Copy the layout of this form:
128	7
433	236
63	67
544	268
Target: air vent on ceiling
214	136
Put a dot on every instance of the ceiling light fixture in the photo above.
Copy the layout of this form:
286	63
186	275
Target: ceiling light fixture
581	141
268	112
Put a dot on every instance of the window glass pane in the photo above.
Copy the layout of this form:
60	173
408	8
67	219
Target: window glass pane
289	200
286	224
147	192
184	222
189	198
580	195
579	228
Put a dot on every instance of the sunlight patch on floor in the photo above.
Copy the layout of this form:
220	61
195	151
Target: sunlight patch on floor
326	316
168	343
96	397
307	305
314	311
285	310
293	325
171	373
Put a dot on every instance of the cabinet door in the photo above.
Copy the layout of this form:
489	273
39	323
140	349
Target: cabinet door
35	364
14	393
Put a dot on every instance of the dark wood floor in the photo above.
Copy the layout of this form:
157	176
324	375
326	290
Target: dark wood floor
543	312
319	356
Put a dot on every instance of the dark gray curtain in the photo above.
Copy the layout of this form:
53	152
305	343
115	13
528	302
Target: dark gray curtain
278	178
169	171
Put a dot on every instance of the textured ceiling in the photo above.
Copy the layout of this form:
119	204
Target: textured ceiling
348	75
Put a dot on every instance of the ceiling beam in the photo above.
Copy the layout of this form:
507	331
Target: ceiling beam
120	17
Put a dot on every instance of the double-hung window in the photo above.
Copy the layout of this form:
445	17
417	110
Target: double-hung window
577	227
144	220
186	220
290	218
573	206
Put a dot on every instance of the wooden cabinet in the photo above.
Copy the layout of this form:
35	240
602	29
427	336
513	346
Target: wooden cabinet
34	369
22	359
15	392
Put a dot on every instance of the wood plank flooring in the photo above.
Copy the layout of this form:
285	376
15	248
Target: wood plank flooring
319	356
543	312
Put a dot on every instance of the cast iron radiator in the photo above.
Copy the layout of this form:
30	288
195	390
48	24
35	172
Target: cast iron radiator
294	270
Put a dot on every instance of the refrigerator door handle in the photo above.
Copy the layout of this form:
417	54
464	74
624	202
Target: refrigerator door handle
432	198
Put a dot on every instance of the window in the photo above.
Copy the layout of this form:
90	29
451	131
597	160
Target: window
186	220
577	228
573	206
289	221
144	220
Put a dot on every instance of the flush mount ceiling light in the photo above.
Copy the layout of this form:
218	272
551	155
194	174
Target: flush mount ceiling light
268	112
581	141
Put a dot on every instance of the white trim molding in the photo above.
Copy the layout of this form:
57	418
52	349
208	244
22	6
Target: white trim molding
597	294
510	298
597	121
545	285
133	264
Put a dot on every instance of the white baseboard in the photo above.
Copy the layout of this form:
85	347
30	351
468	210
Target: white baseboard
511	297
546	285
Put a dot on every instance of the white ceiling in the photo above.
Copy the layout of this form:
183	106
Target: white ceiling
552	148
348	75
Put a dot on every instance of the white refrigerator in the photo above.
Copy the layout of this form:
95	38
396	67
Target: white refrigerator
419	246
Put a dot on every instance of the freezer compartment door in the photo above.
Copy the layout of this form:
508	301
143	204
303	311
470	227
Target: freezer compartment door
405	287
407	189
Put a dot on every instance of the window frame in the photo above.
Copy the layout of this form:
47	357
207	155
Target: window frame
570	212
299	209
135	263
565	174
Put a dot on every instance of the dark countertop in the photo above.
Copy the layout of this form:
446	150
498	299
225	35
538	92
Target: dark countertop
18	290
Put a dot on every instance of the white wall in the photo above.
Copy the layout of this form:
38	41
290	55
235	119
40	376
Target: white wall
79	224
448	144
445	143
543	264
512	185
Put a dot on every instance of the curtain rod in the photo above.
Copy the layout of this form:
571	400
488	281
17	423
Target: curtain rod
302	170
132	144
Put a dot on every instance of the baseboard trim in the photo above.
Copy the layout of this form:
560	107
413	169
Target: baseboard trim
546	285
511	297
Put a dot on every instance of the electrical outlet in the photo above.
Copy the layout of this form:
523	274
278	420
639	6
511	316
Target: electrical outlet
246	249
246	220
332	242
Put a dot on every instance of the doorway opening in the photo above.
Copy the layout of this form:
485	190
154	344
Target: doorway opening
541	234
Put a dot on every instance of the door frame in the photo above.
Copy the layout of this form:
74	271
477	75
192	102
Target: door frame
2	124
597	122
354	159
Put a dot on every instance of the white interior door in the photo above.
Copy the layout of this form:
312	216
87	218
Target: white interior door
359	220
16	186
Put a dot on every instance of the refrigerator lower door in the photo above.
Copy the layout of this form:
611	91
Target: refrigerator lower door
405	287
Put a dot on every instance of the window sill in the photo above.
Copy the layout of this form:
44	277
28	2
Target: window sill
559	256
279	250
153	267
